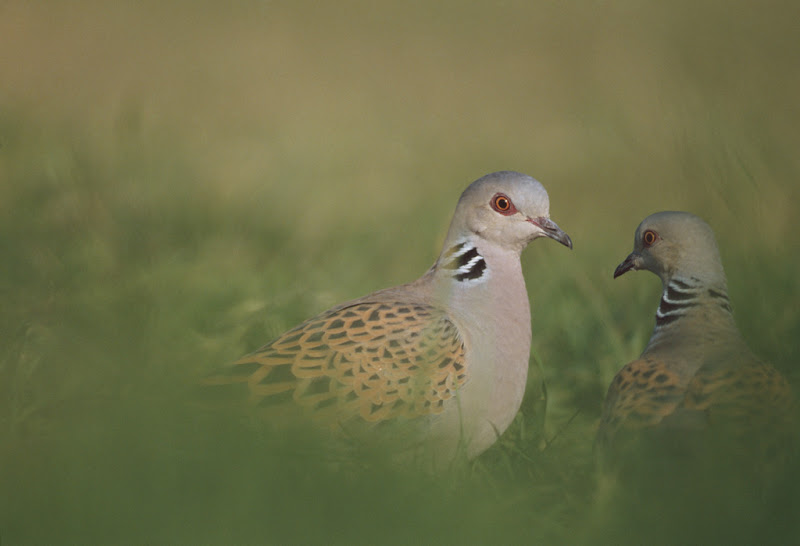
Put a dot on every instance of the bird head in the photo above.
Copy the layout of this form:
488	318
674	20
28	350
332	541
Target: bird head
508	209
674	244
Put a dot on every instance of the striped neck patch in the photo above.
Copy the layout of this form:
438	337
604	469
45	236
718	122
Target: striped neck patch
721	298
682	294
465	261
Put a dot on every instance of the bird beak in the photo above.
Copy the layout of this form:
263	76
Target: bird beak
552	230
629	263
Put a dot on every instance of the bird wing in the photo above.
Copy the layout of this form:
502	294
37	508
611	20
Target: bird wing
752	393
641	395
373	360
745	394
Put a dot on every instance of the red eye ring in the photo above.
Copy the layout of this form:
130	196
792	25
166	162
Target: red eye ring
502	203
649	237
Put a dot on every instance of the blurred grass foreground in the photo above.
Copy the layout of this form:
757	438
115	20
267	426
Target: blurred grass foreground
179	183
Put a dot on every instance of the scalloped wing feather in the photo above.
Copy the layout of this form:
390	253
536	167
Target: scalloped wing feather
373	360
642	393
647	393
754	393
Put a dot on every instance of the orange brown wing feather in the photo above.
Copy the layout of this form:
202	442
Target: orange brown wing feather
755	393
642	393
373	360
646	393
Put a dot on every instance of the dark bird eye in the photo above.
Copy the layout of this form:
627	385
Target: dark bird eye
649	237
502	204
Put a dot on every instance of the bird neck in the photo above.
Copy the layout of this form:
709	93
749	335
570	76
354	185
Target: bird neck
463	262
693	307
472	273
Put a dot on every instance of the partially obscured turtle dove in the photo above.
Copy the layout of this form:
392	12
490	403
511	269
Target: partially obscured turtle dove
445	355
696	374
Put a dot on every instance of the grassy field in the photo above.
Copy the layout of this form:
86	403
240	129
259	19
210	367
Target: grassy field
180	183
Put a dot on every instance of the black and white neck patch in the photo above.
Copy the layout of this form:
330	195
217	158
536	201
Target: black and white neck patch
465	261
678	296
682	294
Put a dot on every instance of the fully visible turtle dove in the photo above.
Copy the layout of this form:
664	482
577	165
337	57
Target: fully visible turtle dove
445	356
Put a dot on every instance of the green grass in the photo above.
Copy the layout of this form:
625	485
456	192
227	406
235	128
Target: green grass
179	185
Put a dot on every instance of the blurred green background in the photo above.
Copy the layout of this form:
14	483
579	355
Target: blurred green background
181	181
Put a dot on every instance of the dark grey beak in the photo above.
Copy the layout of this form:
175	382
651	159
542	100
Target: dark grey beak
552	230
627	264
